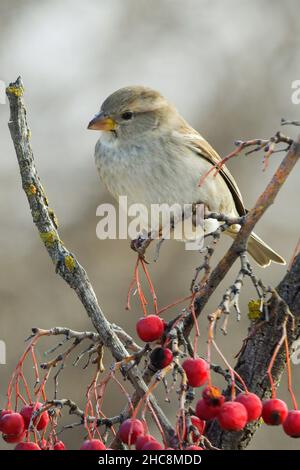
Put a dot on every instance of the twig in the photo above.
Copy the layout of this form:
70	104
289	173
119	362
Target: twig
65	262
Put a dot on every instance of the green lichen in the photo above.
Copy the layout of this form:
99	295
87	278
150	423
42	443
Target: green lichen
70	263
15	90
49	238
254	310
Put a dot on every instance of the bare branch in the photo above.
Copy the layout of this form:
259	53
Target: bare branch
65	262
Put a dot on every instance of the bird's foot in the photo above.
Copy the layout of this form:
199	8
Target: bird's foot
139	245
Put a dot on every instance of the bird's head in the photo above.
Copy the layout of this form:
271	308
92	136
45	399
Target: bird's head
132	111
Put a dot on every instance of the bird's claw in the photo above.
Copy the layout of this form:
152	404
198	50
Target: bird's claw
139	245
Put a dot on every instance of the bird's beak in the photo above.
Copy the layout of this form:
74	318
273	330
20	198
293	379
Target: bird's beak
102	123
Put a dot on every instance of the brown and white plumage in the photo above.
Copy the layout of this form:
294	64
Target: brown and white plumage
149	153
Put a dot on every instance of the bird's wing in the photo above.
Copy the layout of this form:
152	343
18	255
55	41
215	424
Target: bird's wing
199	145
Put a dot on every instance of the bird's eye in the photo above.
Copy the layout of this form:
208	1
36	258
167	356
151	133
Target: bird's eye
127	115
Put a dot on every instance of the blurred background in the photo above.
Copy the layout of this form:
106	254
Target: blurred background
229	68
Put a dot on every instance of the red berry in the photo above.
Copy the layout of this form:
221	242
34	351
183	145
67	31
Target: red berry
143	440
14	438
27	446
12	423
59	445
199	424
40	422
274	411
252	403
152	445
213	396
193	448
232	416
150	328
291	425
130	430
161	357
196	371
205	411
93	444
5	412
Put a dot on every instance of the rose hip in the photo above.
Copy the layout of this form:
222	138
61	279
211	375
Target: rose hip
59	445
205	411
274	411
232	416
27	446
150	328
14	438
143	440
130	430
40	421
199	424
213	396
291	424
196	371
12	424
93	444
252	403
161	357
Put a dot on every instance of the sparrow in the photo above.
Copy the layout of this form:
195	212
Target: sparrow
149	153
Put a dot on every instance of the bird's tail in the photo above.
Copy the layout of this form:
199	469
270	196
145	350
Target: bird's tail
262	253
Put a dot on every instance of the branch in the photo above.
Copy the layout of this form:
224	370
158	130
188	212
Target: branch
65	262
254	360
255	357
75	410
239	245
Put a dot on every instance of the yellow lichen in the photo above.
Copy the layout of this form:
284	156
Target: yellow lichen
49	238
15	90
31	190
254	309
70	263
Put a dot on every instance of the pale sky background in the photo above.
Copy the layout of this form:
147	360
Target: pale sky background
229	68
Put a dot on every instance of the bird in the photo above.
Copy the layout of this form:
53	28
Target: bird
148	152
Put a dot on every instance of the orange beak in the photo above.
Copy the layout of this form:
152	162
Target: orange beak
102	123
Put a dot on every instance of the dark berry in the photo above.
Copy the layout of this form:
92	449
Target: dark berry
161	357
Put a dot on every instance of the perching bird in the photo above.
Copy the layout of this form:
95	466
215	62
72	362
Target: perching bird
149	153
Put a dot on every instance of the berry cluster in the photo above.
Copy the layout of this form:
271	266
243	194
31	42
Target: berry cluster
32	423
16	428
231	415
234	415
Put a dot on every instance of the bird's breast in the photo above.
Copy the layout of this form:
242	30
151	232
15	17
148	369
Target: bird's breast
160	171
